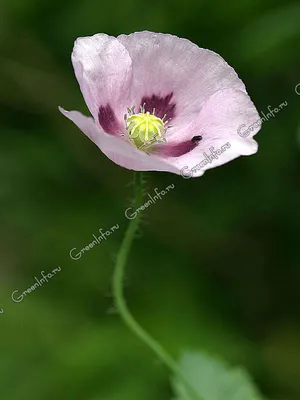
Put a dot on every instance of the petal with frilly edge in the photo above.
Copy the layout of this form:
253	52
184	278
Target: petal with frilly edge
117	150
220	127
177	72
103	69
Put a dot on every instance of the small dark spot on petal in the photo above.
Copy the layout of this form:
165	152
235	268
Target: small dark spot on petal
196	139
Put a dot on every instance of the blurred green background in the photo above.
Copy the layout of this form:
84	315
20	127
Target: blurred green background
217	263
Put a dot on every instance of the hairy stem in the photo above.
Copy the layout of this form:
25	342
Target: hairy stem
120	301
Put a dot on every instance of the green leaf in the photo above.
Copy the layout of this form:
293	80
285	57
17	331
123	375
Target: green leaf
214	379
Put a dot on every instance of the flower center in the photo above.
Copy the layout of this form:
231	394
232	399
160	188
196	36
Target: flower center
145	129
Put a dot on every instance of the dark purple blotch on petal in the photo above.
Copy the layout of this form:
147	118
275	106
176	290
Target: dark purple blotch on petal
108	120
175	150
162	105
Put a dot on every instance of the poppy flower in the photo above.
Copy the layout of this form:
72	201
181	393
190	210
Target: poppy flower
161	103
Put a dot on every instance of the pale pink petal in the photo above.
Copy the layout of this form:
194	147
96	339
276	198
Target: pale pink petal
222	118
116	149
103	69
172	68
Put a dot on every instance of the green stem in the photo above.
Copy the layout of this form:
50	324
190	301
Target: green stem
120	301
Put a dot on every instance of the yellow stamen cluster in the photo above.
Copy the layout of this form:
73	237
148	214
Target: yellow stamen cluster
144	129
